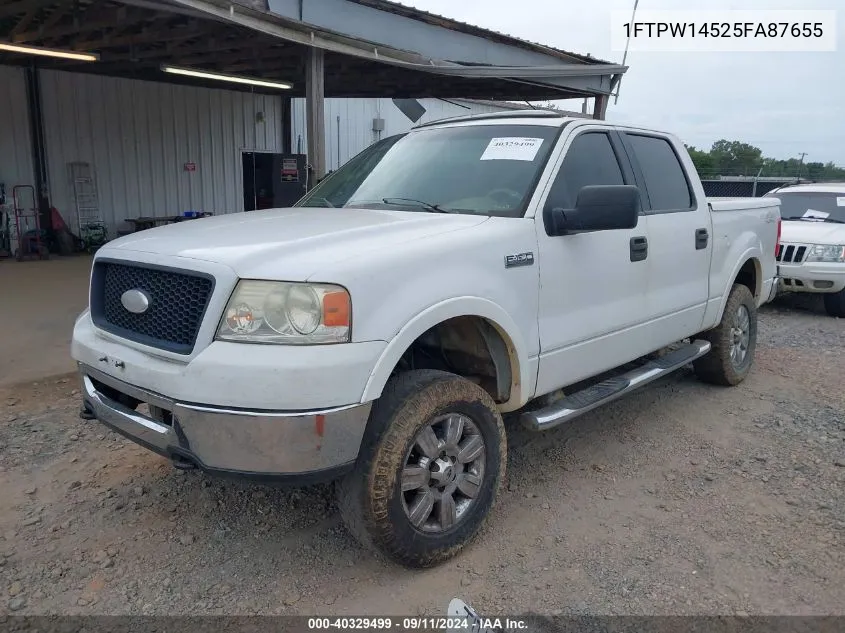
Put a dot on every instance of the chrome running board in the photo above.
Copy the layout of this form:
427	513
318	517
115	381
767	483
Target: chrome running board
608	390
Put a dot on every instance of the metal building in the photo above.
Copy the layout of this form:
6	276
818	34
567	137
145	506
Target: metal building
90	84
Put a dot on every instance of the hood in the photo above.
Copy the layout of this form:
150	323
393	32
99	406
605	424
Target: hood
297	240
803	232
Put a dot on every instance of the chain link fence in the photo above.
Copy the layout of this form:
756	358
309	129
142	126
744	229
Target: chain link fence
743	187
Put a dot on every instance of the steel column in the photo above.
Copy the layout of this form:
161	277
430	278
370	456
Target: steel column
315	112
600	108
39	151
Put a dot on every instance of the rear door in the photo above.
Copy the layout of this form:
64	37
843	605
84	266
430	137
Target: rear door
680	236
592	298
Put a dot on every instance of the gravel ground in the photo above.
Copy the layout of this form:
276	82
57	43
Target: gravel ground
680	499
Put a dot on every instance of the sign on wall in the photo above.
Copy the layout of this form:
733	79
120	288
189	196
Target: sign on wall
290	170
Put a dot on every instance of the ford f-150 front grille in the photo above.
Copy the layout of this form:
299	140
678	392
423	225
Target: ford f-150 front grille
170	312
791	253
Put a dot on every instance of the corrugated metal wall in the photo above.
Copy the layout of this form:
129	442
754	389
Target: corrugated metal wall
356	123
138	136
15	142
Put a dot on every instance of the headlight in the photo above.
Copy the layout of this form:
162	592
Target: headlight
820	253
286	313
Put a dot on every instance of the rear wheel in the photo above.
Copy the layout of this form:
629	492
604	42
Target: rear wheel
429	471
733	341
834	304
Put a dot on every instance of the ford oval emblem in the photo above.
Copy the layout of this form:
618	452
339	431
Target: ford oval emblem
135	301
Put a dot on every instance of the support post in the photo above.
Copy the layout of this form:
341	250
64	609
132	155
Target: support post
315	113
287	125
600	108
39	151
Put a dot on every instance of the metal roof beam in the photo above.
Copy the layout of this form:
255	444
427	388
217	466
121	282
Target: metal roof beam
391	28
147	36
589	79
21	6
275	26
25	21
76	26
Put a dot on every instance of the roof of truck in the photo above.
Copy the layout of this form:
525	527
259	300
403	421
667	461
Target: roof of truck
542	115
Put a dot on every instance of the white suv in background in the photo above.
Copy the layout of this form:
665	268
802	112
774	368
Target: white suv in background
812	250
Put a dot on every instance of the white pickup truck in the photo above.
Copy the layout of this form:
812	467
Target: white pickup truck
377	332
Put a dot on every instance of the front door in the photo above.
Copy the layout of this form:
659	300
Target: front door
592	285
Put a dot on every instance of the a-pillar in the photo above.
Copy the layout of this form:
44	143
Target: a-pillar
315	112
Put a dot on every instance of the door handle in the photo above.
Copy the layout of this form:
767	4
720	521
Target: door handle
639	248
702	237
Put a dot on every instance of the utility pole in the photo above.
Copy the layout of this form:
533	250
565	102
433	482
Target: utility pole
625	54
756	178
800	165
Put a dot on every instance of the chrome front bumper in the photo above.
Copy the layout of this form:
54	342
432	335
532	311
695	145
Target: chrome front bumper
301	446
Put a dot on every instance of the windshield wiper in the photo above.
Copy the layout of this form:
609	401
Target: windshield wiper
433	208
812	219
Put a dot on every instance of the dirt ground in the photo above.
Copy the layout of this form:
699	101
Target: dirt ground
680	499
41	300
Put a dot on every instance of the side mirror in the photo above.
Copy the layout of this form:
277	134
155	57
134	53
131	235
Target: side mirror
598	208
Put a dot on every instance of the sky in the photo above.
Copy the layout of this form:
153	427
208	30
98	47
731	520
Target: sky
783	103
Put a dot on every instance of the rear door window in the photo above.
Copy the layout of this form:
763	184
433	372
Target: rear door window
665	179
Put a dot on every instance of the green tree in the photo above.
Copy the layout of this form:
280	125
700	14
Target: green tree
703	161
734	158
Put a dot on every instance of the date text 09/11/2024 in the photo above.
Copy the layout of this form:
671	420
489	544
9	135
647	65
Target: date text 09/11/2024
445	624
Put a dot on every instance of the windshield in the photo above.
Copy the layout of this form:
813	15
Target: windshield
477	169
812	206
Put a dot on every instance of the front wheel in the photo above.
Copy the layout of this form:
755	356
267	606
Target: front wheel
834	304
429	471
733	341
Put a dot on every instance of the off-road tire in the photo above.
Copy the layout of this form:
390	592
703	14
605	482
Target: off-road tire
370	497
717	367
834	304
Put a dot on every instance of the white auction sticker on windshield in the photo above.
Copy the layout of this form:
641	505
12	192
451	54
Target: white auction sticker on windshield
840	201
815	215
512	148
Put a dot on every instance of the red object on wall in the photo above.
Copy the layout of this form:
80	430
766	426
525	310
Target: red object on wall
190	166
57	220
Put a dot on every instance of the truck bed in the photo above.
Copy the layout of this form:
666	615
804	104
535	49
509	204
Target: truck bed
737	204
